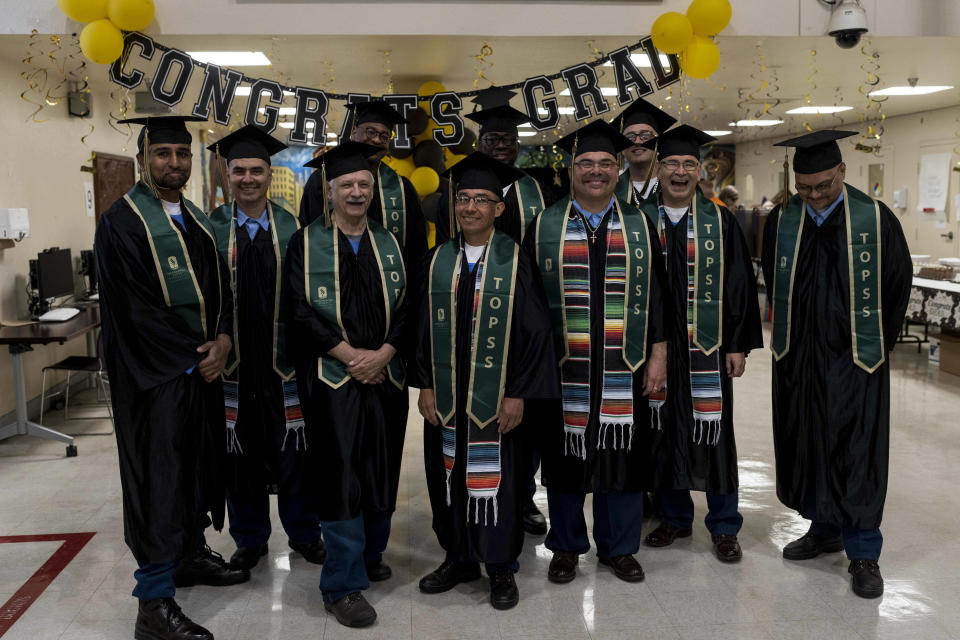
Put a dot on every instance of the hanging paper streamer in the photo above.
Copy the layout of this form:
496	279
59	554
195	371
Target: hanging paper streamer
485	52
387	71
872	114
35	76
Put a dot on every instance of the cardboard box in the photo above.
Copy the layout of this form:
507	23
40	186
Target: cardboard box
950	353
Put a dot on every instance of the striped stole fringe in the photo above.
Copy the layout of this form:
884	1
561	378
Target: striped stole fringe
231	401
616	399
293	417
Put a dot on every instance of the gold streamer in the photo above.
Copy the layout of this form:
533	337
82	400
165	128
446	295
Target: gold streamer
875	127
388	72
485	52
35	77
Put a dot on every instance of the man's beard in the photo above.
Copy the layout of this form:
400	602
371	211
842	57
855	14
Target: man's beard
165	182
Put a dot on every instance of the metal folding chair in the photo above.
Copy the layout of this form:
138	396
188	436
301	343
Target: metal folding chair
91	365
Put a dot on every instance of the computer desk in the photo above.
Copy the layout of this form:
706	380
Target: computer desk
20	340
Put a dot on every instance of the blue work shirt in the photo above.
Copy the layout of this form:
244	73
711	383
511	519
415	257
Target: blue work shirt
252	225
594	218
820	216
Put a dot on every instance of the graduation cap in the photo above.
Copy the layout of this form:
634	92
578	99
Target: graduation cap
480	171
679	141
163	129
375	111
642	112
248	141
347	157
817	151
495	112
596	136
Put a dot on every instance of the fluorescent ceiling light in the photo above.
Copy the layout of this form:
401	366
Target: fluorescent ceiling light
526	134
918	90
817	110
232	58
284	111
718	133
289	125
564	111
755	123
606	91
245	91
525	124
642	60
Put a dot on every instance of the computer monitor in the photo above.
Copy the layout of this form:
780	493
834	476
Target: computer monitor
54	274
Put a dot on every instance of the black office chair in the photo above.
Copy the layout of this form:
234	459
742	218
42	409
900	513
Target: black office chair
92	365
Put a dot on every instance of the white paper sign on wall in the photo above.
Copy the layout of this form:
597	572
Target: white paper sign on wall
88	201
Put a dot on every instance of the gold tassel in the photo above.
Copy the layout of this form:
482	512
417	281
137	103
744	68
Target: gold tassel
573	158
453	217
327	221
147	176
652	163
786	179
227	195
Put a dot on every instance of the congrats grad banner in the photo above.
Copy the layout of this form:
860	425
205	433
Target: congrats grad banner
172	70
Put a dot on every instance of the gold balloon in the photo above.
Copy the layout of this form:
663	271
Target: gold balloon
425	180
701	57
709	17
101	41
671	32
84	10
131	15
428	89
403	166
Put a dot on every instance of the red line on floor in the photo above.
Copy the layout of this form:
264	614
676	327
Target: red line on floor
13	608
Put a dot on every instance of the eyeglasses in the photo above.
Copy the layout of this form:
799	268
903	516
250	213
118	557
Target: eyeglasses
480	201
587	165
370	133
493	140
806	189
673	165
642	136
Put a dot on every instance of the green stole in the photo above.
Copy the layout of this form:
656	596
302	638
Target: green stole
863	263
181	292
529	201
491	333
393	205
551	228
708	269
321	265
283	225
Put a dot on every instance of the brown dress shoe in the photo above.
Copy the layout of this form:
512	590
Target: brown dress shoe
665	534
727	548
162	619
624	567
563	567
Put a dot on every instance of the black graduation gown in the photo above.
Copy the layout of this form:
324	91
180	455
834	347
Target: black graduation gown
831	419
508	222
358	429
606	470
170	426
532	373
686	464
264	457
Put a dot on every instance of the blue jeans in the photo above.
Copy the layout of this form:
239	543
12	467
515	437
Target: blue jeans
722	516
250	519
155	580
860	544
351	546
617	520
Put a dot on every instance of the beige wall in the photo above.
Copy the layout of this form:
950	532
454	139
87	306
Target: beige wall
905	139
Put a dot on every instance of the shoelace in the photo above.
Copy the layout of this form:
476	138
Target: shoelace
354	598
864	565
213	555
501	578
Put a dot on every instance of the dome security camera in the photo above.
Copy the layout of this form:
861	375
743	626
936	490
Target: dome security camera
847	23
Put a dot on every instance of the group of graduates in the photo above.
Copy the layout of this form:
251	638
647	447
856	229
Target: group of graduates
596	336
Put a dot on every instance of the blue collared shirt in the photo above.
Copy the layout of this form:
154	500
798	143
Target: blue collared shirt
253	225
820	216
594	218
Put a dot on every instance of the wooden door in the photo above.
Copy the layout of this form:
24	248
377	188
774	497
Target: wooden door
113	176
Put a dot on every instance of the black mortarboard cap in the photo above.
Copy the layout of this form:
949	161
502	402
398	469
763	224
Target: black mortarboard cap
347	157
642	112
375	111
249	141
816	151
164	129
596	136
495	112
679	141
480	171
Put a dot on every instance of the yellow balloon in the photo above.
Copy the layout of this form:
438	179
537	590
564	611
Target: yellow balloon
84	10
701	57
425	180
709	17
671	32
101	41
403	166
426	134
430	87
130	15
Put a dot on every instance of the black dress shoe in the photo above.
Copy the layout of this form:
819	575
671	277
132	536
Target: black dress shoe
810	546
563	567
727	548
247	557
313	552
503	590
448	575
352	610
208	567
624	567
162	619
665	534
533	521
379	571
867	581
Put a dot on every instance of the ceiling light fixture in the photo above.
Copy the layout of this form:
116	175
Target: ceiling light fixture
245	91
642	60
817	110
717	133
231	58
915	90
756	123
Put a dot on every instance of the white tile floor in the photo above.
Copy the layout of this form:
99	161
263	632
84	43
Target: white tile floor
687	593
